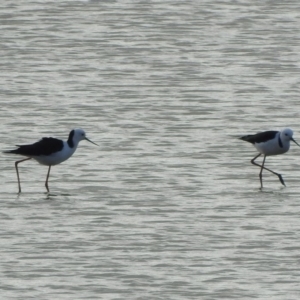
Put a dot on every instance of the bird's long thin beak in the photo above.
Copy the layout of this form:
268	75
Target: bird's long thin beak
295	142
95	143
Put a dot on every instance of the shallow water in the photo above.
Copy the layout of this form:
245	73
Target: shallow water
169	206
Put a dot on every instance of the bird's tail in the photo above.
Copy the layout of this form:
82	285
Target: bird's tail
246	138
10	151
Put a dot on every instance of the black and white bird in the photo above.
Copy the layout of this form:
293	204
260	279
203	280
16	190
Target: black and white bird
270	143
50	151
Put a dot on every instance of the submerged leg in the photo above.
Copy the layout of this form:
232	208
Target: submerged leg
263	167
16	165
46	183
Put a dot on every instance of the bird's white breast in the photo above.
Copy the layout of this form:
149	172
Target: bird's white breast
272	147
57	157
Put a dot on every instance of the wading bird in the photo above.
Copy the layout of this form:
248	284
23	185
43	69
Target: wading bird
49	151
270	143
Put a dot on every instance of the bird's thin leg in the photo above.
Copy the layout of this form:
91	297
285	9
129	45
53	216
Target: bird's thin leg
16	165
46	183
263	167
260	173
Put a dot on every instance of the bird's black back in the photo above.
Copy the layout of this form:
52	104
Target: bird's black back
46	146
260	137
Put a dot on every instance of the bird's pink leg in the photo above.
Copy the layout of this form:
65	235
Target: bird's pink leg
16	165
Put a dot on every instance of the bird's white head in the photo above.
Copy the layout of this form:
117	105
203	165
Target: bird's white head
77	135
287	135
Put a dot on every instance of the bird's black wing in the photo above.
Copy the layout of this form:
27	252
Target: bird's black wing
46	146
260	137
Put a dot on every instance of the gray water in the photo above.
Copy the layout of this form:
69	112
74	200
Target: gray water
168	206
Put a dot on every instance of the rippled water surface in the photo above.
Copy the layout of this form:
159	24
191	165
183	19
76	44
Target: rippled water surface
168	206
